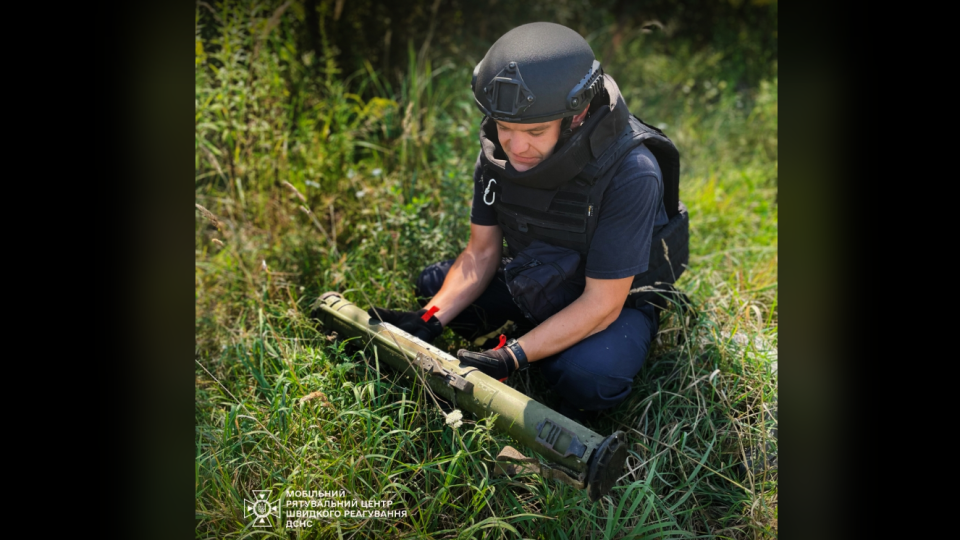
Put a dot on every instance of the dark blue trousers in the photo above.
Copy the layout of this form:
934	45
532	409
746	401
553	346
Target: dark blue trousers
594	374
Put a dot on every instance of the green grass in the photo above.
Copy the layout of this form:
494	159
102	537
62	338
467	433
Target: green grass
311	180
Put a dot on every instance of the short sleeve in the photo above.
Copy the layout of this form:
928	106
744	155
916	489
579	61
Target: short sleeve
480	212
631	209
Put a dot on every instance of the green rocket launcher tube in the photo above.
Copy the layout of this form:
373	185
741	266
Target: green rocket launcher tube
576	455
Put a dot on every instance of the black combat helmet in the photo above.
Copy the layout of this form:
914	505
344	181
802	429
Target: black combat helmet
536	73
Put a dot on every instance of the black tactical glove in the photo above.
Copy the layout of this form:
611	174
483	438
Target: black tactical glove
497	363
410	322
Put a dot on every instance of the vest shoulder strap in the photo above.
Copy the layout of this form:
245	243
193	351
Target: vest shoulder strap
636	133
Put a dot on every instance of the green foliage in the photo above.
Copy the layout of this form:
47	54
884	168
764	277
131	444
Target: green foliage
368	32
315	177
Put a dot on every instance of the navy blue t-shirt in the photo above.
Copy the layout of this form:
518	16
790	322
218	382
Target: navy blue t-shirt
631	209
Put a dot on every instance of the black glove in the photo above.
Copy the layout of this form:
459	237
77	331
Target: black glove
410	322
497	363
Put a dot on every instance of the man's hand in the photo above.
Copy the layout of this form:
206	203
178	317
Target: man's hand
411	322
497	363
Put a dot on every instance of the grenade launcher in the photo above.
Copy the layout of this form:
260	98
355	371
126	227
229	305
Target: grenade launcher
575	454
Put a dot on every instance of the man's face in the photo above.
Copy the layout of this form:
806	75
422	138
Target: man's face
526	145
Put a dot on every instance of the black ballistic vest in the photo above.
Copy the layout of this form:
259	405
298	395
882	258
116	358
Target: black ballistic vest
560	203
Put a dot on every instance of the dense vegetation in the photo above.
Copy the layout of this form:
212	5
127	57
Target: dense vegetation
317	171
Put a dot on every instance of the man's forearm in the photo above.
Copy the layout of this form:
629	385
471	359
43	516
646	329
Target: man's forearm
568	327
595	310
467	279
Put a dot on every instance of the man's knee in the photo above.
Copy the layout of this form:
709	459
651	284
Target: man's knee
588	391
431	279
598	372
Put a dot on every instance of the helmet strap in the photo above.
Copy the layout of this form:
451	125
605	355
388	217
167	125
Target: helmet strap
565	131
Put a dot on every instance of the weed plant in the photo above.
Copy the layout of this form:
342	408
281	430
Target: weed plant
310	180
